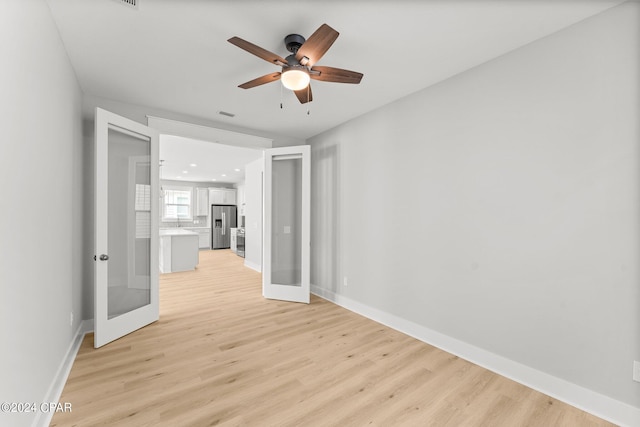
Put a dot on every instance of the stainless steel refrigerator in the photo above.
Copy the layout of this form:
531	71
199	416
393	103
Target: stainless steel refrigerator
223	218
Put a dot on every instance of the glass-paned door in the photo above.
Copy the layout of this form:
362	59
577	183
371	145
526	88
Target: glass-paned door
127	202
287	224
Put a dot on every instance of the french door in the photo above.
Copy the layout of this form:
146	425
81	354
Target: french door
286	253
126	294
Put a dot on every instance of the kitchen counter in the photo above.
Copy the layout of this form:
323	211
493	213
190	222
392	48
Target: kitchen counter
178	250
204	234
176	232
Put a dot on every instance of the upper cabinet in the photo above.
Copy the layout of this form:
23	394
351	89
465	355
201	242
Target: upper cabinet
222	196
202	201
240	199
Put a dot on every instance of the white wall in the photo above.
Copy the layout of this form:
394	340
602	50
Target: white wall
139	113
501	207
40	163
253	214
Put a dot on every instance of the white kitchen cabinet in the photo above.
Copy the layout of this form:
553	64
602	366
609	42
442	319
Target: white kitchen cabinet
178	250
234	239
240	199
222	196
216	196
204	239
204	236
202	201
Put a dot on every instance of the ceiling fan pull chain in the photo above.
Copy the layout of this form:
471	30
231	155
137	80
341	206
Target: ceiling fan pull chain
281	97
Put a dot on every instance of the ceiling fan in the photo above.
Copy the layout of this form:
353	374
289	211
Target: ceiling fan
299	67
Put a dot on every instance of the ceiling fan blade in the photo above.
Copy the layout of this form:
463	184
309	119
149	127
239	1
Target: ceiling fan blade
267	78
337	75
258	51
317	45
304	95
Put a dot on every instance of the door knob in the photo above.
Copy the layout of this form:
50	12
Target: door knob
104	257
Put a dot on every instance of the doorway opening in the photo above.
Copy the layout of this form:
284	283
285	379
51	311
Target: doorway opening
220	196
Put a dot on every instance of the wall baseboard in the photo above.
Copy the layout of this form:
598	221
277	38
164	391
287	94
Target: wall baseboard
602	406
43	419
253	266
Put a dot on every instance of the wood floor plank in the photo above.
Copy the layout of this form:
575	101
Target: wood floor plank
223	355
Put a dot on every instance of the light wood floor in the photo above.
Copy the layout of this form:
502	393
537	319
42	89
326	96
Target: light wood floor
222	355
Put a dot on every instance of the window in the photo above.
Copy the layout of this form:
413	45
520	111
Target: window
177	203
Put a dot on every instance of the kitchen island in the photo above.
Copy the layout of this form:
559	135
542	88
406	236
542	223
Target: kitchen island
178	250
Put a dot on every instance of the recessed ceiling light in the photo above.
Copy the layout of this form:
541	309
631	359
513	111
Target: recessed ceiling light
224	174
237	170
193	165
214	179
185	171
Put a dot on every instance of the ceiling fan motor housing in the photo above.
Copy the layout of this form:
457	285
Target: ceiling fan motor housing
292	61
293	42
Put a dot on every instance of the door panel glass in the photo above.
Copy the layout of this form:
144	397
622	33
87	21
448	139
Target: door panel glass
286	214
129	222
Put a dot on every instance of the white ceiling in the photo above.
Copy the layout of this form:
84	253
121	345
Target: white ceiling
173	55
186	159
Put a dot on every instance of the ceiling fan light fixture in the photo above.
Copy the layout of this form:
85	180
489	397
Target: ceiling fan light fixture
295	78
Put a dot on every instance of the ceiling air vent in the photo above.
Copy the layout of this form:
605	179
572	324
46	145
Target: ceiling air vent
131	3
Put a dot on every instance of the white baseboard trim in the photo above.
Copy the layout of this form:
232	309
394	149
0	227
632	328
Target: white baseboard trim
602	406
87	326
43	419
253	266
